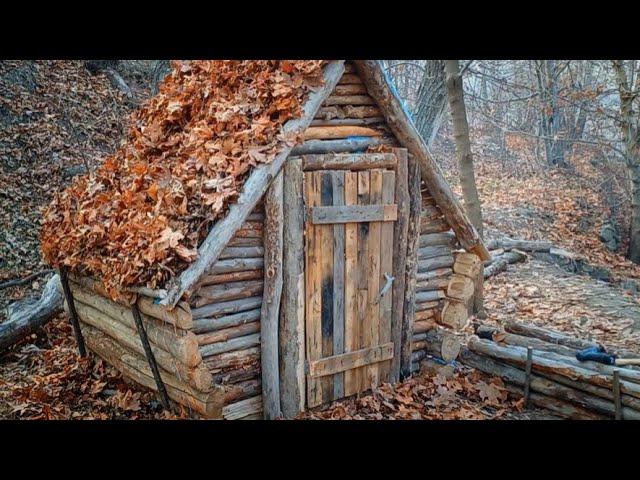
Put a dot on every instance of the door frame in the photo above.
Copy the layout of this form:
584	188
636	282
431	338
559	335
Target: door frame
292	332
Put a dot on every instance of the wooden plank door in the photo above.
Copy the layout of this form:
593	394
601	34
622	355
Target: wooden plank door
349	235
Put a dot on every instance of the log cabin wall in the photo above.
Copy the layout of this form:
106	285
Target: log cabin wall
109	330
435	258
226	311
348	121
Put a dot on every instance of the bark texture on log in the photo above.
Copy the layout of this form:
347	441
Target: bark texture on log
26	316
269	321
292	332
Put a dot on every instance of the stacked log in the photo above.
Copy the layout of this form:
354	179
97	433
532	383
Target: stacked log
558	381
226	310
348	121
109	330
437	343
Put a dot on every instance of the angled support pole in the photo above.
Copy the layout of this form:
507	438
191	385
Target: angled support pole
64	279
164	397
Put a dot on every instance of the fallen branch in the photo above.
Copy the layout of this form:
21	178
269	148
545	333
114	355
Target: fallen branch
25	316
16	282
499	263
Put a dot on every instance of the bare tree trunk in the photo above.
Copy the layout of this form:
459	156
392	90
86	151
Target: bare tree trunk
463	144
629	123
551	120
431	101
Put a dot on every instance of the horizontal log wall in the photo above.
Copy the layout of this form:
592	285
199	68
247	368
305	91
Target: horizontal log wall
110	332
348	121
226	319
436	246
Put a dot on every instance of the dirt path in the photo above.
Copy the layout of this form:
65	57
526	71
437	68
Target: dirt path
544	294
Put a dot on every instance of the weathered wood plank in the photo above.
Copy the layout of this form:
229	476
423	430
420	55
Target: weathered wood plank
255	186
313	274
351	326
386	267
401	324
270	319
351	214
366	357
373	307
413	232
363	274
337	179
292	330
326	245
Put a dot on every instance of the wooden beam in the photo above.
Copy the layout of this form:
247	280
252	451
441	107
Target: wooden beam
292	333
400	123
410	319
353	214
346	161
273	231
400	325
348	361
254	188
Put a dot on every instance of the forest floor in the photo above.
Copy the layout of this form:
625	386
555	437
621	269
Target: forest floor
58	120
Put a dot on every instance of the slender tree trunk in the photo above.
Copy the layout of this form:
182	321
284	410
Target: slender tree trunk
463	144
629	123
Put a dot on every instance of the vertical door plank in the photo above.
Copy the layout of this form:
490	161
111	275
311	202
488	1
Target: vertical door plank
313	274
373	307
386	266
337	179
326	259
363	275
351	331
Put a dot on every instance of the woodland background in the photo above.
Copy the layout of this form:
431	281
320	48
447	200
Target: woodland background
554	155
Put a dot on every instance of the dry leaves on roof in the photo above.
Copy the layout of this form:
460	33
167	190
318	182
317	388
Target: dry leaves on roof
141	216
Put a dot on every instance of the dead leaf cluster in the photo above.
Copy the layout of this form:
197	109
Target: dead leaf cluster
139	218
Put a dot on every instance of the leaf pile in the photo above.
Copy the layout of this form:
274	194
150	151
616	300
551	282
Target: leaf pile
141	216
45	379
539	293
467	395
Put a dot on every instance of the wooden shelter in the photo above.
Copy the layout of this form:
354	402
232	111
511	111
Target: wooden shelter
320	282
